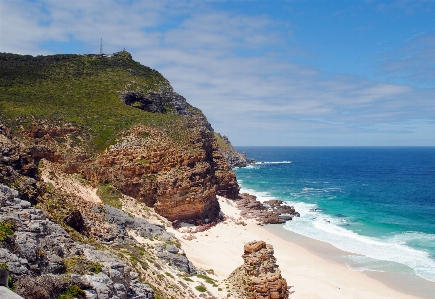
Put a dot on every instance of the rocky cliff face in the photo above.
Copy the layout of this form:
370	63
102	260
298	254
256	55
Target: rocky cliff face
180	182
166	155
234	158
45	262
259	276
108	123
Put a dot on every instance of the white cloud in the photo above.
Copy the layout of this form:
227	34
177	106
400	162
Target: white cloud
237	68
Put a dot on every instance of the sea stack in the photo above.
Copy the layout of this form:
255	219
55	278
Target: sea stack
259	277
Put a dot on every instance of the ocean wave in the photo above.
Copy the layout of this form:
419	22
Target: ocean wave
395	249
321	190
276	162
400	251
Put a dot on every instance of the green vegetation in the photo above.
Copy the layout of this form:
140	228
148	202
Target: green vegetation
201	288
96	267
83	91
110	195
207	279
174	242
6	229
221	143
72	292
79	265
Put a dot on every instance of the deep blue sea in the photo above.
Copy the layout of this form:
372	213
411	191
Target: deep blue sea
376	202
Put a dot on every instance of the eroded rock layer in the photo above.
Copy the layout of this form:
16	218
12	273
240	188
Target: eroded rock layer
259	276
164	153
180	182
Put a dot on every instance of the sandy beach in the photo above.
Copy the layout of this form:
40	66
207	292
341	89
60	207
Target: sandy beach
309	266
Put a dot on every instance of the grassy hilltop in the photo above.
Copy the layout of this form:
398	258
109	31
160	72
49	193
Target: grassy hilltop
82	90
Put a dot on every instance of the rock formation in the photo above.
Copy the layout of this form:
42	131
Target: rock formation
104	124
268	212
180	183
234	158
166	156
44	261
259	276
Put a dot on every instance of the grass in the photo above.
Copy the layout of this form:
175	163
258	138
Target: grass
207	279
221	143
6	229
202	289
72	292
110	195
82	91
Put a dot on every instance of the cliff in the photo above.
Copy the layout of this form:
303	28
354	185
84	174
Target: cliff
116	122
234	158
93	152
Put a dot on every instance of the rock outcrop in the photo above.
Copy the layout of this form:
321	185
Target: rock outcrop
268	212
259	276
44	261
233	157
164	101
166	156
180	183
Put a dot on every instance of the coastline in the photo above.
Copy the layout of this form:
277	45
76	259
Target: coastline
407	284
313	268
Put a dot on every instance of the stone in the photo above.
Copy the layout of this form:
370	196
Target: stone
259	277
36	251
76	221
269	212
175	257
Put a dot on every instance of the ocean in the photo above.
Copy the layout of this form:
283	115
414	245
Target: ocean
375	202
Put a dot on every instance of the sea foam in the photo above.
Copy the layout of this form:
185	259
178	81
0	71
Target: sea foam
377	254
319	226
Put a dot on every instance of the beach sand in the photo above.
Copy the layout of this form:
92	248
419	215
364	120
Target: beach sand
311	267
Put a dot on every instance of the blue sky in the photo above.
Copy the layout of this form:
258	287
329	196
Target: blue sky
263	72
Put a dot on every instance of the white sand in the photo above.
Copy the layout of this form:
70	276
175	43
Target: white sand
221	247
68	183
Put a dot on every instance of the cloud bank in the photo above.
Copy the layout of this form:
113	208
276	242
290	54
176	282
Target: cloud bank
241	69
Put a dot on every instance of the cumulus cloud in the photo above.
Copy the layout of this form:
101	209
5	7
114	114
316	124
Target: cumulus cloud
237	68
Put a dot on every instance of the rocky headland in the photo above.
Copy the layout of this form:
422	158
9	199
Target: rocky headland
99	157
233	157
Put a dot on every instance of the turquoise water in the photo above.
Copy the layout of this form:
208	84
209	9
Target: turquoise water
377	202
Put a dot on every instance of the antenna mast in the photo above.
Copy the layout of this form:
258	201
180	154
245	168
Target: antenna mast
101	47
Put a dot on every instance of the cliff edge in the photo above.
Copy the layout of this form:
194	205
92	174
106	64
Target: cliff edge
114	122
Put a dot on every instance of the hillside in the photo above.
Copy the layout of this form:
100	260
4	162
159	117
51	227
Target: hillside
108	155
116	122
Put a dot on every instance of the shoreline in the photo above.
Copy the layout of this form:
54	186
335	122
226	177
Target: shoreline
409	284
313	268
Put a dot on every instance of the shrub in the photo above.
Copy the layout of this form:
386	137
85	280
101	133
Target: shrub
72	292
82	266
6	229
110	195
201	288
96	267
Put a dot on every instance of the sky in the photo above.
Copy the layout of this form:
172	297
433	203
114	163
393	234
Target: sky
282	73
